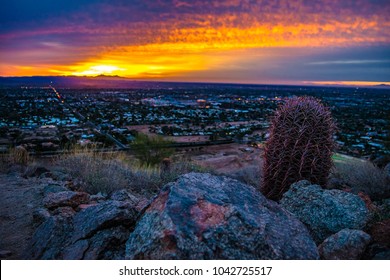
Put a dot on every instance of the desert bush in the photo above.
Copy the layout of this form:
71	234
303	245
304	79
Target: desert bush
15	159
100	173
149	150
300	146
114	171
363	176
19	155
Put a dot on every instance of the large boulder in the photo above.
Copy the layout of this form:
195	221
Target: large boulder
50	237
387	170
96	232
201	216
325	212
347	244
101	216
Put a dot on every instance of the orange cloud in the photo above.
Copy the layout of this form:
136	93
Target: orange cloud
193	36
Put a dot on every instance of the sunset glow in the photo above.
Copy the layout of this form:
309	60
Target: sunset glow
233	40
99	70
346	83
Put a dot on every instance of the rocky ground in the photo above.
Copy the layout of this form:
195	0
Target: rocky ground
44	214
19	197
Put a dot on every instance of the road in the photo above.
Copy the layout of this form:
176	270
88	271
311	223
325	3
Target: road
119	144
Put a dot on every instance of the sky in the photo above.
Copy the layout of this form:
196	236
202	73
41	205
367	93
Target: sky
238	41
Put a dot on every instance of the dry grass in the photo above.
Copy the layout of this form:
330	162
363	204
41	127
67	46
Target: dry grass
363	176
5	163
19	155
16	159
99	172
107	172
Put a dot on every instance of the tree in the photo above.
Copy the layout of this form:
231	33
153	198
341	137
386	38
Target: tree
151	150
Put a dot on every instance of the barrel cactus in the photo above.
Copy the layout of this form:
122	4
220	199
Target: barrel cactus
299	147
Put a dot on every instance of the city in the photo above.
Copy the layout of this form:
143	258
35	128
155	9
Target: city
47	120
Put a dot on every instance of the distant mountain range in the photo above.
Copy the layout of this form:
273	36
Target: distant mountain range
101	81
104	81
382	86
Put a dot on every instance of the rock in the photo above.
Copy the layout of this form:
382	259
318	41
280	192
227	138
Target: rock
142	204
347	244
54	188
106	227
385	255
324	212
387	170
373	250
108	244
18	201
40	215
76	185
5	254
380	232
65	198
201	216
58	175
124	195
65	211
35	171
84	206
99	197
97	232
100	216
76	250
49	238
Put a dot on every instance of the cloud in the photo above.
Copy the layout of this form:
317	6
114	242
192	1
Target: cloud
180	38
341	62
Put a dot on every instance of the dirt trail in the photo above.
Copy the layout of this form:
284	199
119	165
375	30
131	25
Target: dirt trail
18	198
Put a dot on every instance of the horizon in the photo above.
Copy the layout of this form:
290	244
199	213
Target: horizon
323	43
324	84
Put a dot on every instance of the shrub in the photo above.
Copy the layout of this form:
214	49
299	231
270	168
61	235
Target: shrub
151	151
299	147
19	155
108	172
98	172
363	176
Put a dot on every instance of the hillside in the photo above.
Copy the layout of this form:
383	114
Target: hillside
94	206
